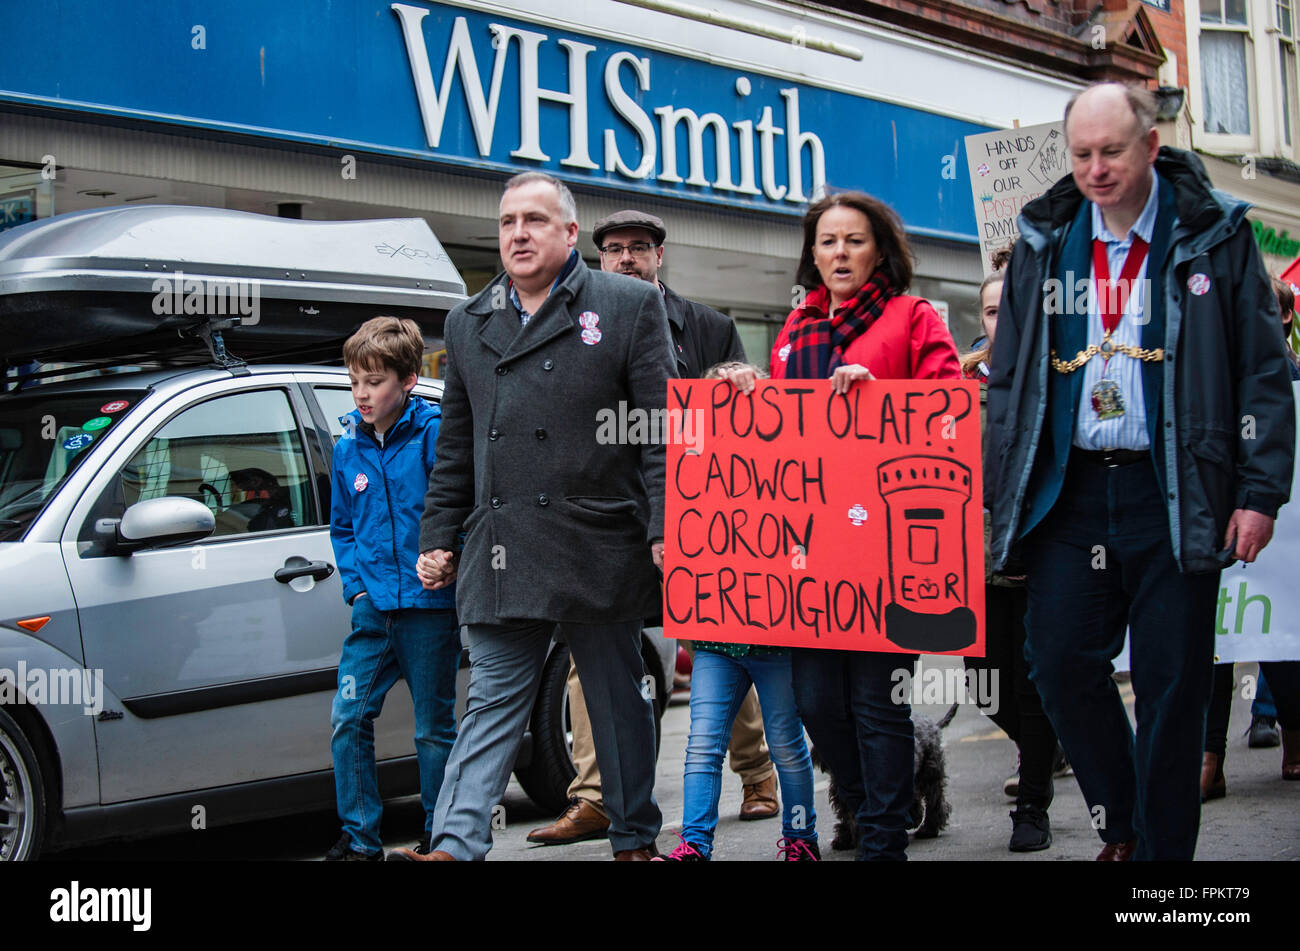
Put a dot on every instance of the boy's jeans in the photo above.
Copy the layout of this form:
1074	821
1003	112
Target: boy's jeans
719	684
423	647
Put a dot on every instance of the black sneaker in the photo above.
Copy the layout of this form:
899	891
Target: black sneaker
1060	765
1030	829
1263	732
683	853
342	851
798	850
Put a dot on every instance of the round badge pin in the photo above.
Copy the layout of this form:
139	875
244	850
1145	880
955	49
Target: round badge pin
360	482
116	406
99	422
1199	284
591	336
79	441
784	353
589	319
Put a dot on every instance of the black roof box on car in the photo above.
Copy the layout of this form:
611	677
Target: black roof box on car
139	283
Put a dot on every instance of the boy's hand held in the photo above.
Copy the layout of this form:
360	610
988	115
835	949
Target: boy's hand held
436	569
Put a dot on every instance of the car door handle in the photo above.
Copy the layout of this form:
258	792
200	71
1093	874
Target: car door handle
297	567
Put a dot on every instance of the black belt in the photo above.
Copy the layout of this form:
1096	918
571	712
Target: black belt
1110	458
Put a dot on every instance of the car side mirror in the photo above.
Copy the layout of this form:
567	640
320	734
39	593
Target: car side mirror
156	523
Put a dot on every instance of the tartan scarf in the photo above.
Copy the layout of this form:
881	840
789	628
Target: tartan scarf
818	340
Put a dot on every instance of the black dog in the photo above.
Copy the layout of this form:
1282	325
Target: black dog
930	809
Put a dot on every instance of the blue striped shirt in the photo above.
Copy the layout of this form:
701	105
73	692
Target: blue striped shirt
1130	430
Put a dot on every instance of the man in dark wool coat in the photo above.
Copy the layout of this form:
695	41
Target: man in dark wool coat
554	520
632	242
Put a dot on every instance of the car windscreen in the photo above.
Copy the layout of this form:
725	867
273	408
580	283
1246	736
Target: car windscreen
43	438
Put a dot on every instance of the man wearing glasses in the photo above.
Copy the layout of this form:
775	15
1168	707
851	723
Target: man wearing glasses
631	243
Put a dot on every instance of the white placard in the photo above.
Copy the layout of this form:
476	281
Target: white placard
1009	169
1258	614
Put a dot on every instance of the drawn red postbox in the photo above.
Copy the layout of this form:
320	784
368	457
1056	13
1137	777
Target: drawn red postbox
929	578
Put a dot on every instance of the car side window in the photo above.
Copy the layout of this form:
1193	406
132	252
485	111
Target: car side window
240	455
336	402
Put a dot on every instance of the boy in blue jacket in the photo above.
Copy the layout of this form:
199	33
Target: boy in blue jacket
381	472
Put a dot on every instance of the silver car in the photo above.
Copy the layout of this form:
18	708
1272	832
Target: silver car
169	638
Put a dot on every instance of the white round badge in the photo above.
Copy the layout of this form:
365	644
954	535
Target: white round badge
1198	284
784	353
360	482
591	336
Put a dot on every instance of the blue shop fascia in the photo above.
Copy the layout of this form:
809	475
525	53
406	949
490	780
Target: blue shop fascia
375	108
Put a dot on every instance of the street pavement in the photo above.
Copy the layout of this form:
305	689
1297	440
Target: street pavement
1258	820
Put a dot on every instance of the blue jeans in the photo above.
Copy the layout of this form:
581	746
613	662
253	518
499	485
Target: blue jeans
719	684
423	647
1263	706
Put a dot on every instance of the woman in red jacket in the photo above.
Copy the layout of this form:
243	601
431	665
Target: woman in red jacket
857	324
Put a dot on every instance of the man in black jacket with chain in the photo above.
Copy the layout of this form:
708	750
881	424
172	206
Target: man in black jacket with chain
1140	438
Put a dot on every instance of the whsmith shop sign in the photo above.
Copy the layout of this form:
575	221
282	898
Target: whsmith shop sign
456	85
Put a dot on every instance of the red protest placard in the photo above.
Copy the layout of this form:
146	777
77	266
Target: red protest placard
797	517
1292	275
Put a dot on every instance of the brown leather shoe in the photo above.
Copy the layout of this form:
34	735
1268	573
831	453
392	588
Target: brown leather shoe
410	855
760	800
1291	754
1213	784
581	821
645	854
1118	851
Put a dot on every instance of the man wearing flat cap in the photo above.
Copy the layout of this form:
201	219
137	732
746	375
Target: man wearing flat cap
631	242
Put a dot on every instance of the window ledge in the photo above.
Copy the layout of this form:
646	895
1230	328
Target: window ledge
1222	145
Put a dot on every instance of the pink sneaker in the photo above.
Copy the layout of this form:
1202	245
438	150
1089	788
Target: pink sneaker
798	850
683	853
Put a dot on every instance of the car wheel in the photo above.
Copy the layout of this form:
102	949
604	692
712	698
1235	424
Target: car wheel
547	777
22	795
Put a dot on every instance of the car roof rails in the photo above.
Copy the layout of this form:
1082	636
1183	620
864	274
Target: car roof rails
210	332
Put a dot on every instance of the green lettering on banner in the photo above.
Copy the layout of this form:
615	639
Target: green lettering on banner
1270	242
1244	601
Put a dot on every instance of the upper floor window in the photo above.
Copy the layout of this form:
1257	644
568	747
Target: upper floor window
1287	66
1225	77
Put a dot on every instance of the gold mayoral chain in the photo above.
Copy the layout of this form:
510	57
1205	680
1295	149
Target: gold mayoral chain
1109	313
1107	348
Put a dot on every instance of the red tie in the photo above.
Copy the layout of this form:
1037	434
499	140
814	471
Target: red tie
1107	294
